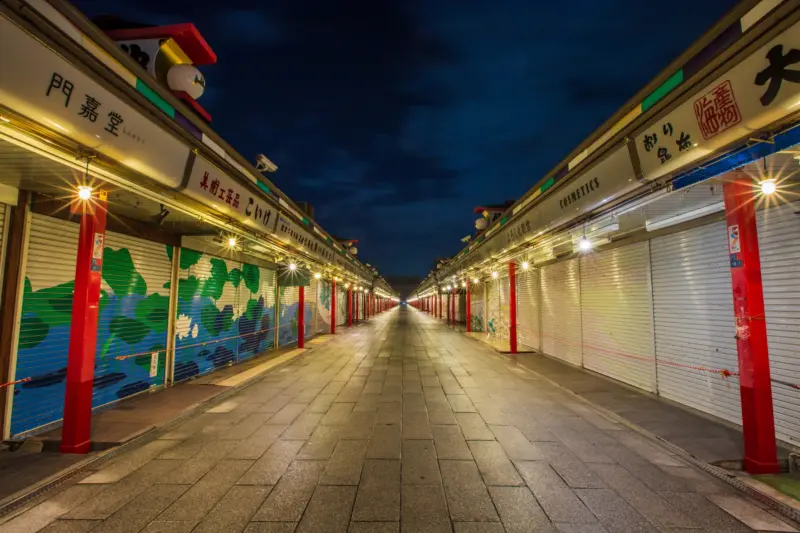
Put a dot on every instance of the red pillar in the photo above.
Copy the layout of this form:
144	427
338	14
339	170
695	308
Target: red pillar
512	307
333	307
77	427
349	308
301	316
758	422
469	308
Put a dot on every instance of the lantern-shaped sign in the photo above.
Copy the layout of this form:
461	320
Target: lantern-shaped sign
188	79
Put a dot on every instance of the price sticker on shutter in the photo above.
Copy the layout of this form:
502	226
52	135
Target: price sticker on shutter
153	364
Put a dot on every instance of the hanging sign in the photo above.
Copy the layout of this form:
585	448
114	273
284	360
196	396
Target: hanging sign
758	91
43	86
210	186
300	239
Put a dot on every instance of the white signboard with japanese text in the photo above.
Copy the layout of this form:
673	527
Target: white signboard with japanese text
212	187
43	86
760	90
608	179
301	239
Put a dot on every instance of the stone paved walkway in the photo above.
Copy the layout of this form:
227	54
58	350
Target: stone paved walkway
398	425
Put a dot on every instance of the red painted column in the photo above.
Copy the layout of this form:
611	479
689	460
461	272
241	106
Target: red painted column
469	308
349	308
512	307
758	421
301	316
333	307
77	427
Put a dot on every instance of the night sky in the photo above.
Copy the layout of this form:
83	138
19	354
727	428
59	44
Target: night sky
395	118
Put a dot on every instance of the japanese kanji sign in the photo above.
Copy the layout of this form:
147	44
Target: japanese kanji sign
210	186
41	85
760	90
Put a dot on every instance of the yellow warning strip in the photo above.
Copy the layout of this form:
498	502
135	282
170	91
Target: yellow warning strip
260	369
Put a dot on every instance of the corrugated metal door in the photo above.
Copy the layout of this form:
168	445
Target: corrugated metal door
561	311
287	324
310	295
502	327
45	323
341	305
476	306
134	314
462	306
693	319
617	315
256	311
779	244
493	307
528	308
324	289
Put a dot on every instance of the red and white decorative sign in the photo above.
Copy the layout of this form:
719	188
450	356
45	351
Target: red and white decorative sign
716	111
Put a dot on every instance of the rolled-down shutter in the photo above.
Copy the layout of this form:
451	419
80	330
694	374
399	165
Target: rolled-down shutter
287	323
341	305
616	315
310	307
206	328
462	306
779	244
493	307
561	311
528	309
256	313
45	321
504	290
693	320
133	320
476	306
324	293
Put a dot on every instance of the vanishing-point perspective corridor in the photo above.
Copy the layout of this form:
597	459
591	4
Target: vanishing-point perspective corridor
400	424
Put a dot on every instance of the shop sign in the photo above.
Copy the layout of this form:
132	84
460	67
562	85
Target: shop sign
43	86
210	186
292	234
760	90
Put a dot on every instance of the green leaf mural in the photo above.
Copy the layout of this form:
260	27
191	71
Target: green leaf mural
214	285
120	273
235	277
189	258
252	277
52	305
187	288
153	311
252	307
216	321
129	330
32	331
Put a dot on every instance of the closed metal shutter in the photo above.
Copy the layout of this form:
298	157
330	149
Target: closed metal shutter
502	327
561	311
779	245
206	329
324	290
46	317
310	295
617	315
462	306
341	305
528	309
287	323
493	308
256	311
133	320
476	306
693	318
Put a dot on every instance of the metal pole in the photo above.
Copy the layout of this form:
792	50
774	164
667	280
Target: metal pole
758	420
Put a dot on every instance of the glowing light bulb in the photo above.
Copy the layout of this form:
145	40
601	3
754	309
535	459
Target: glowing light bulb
317	275
494	274
475	280
231	242
768	187
84	192
525	265
585	244
292	267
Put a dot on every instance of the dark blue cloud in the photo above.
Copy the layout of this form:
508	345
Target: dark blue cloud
396	118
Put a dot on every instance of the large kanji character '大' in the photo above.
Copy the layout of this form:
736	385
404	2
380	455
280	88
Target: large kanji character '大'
777	71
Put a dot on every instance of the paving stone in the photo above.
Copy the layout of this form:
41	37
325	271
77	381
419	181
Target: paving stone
43	513
588	528
287	414
519	511
613	511
555	497
275	404
321	404
378	496
144	509
289	497
583	449
419	463
416	426
328	511
201	464
576	473
256	444
389	413
268	469
653	476
344	466
424	506
648	503
337	414
70	526
321	444
515	444
235	509
749	514
450	443
374	527
473	427
130	462
204	495
270	527
493	463
169	526
478	527
385	442
302	427
466	494
460	403
704	513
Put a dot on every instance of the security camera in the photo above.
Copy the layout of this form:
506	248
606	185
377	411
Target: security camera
265	165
